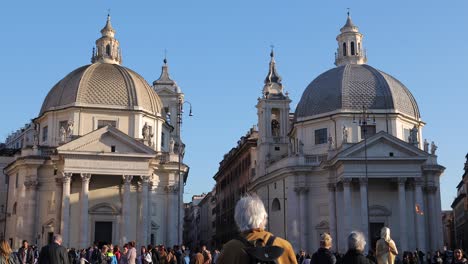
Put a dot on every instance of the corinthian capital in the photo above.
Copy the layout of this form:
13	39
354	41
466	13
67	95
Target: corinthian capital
31	184
85	177
127	179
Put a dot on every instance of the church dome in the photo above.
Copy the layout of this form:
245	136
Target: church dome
103	85
350	87
353	84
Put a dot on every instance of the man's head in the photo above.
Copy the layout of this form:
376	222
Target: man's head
25	244
325	241
58	239
203	247
250	213
356	241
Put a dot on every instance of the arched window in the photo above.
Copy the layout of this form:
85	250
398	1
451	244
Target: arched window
108	50
344	48
275	205
14	208
352	48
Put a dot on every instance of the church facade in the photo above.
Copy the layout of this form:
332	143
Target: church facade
102	162
351	157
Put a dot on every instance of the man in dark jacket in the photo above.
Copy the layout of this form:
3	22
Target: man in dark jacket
323	254
26	254
54	253
356	244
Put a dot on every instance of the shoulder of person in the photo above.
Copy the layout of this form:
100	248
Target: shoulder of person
282	243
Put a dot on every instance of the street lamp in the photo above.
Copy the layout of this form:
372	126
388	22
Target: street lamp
180	111
364	118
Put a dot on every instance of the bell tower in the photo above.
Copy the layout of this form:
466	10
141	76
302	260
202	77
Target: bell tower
350	49
273	120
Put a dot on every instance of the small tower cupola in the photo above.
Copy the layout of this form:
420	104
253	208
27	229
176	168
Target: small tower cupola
273	87
350	49
107	48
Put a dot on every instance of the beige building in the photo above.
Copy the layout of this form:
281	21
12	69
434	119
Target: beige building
101	160
353	157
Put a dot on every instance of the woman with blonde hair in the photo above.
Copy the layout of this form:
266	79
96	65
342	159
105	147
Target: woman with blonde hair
386	250
6	256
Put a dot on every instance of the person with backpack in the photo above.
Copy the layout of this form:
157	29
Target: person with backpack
255	244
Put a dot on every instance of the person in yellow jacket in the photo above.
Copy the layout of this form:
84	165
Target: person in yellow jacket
251	218
386	250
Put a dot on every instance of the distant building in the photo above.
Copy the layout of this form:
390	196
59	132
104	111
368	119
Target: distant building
449	229
460	211
192	234
208	220
232	181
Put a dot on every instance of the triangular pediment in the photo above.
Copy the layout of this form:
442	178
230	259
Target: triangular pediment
106	140
383	145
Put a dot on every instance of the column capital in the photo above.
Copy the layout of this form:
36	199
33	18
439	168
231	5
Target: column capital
418	182
401	181
66	177
346	181
331	187
363	181
145	179
171	189
31	184
85	177
127	179
301	189
431	189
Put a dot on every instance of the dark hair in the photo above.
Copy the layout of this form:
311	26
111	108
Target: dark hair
24	241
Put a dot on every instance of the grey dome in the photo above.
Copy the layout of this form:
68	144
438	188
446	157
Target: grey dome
103	85
352	86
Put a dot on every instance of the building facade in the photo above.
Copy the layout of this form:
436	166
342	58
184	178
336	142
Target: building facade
192	226
449	229
208	220
351	158
232	181
101	162
460	211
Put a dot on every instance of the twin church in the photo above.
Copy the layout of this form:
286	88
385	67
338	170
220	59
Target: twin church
103	162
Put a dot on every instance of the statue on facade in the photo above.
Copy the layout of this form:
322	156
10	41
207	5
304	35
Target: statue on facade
62	134
426	145
413	137
171	145
345	134
69	129
36	136
433	148
275	128
301	147
330	142
145	132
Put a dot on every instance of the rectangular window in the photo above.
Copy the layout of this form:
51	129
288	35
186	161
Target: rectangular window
367	131
406	134
320	136
163	140
45	133
16	180
103	123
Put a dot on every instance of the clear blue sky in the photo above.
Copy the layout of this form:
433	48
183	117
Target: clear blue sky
218	54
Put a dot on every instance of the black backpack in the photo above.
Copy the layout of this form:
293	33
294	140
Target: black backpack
260	254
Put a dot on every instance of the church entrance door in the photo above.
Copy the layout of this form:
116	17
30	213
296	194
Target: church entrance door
375	233
103	233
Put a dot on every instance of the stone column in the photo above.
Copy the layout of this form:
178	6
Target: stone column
144	210
363	184
84	206
31	216
171	224
332	214
420	223
65	217
402	212
433	217
125	223
302	192
347	206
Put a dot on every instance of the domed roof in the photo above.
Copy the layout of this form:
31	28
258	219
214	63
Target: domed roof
352	86
103	85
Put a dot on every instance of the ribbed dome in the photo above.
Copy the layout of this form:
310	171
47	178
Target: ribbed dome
352	86
103	85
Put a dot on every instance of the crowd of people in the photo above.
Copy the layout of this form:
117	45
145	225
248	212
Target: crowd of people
254	245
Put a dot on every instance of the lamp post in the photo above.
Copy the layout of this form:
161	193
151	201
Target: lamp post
180	111
364	118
